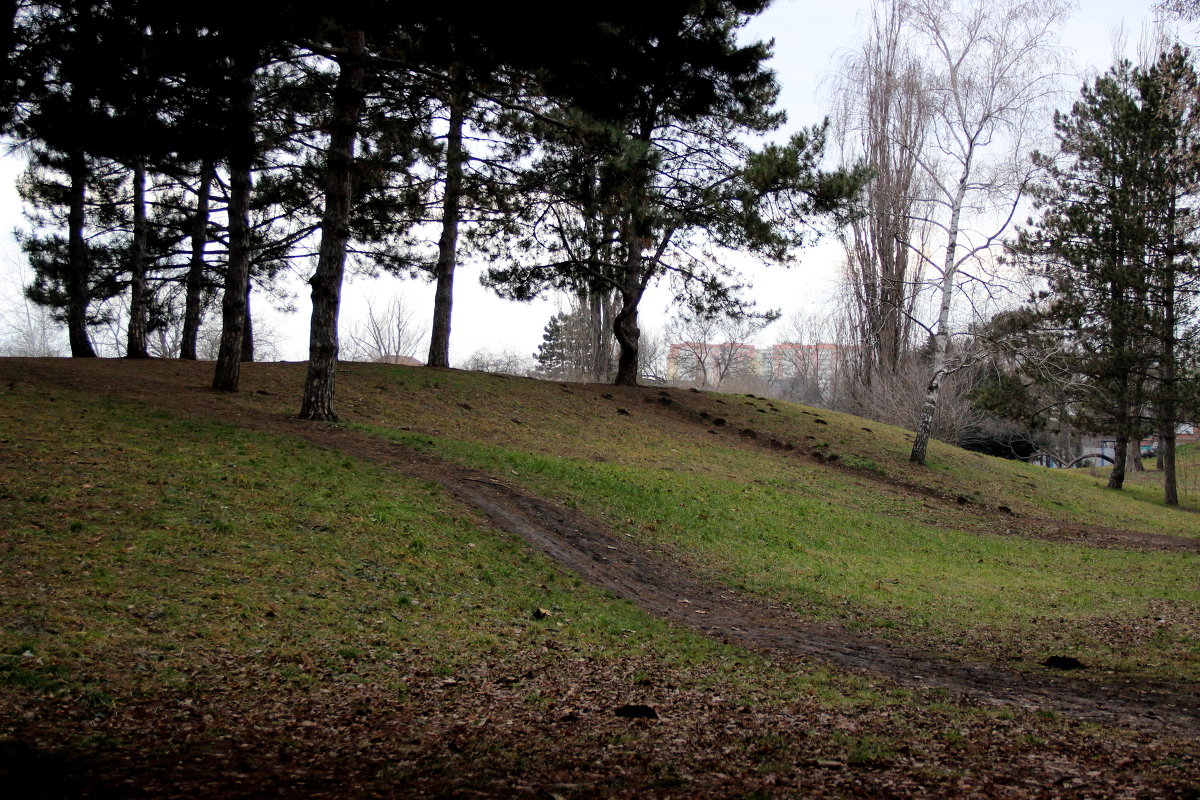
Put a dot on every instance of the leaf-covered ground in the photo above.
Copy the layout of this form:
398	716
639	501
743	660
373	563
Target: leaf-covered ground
196	607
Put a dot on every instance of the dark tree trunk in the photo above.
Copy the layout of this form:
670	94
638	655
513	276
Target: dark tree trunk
237	273
625	329
139	297
595	334
1116	479
1168	408
599	314
8	34
634	233
1166	445
248	330
135	346
326	282
7	39
77	283
194	287
443	299
625	324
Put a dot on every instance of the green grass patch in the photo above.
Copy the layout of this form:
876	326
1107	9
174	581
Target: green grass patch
1147	485
174	587
776	530
144	553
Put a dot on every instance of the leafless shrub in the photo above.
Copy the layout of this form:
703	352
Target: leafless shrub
896	397
714	352
387	331
28	330
502	362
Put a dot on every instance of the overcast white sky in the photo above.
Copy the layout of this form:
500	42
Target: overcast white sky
809	37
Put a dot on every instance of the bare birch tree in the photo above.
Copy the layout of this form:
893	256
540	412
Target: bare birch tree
990	70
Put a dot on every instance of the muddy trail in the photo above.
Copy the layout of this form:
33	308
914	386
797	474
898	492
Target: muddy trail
668	590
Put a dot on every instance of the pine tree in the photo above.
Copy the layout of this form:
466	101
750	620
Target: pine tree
553	355
1116	243
245	39
652	175
571	349
241	147
1169	94
326	282
50	197
92	91
59	58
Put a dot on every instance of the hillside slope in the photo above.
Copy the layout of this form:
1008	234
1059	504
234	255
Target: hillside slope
152	550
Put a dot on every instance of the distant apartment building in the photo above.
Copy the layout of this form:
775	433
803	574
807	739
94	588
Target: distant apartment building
1187	433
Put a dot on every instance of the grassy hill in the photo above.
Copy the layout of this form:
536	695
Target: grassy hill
195	598
1147	485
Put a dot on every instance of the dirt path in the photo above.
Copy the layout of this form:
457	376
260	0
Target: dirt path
669	591
666	590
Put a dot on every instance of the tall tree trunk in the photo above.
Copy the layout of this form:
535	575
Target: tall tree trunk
600	343
625	324
237	272
941	336
1116	478
1158	456
1135	456
8	30
248	330
929	407
326	282
635	231
625	329
1168	408
139	296
78	283
194	286
135	346
443	299
595	315
1170	479
1168	405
